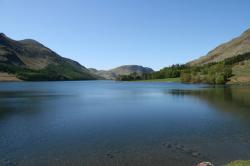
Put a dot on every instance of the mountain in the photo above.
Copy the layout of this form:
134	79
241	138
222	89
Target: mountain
122	70
30	60
236	52
237	46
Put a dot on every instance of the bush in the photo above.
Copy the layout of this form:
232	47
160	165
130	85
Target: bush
212	73
210	78
228	72
196	78
220	79
185	77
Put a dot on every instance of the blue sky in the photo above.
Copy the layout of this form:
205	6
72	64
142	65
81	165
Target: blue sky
108	33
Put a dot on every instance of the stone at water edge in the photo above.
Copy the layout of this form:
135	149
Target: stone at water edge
205	164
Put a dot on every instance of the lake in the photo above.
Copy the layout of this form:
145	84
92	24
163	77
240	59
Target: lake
108	123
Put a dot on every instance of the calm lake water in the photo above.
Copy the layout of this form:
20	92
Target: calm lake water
106	123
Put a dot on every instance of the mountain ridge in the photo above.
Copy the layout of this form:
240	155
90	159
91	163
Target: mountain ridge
122	70
31	55
236	46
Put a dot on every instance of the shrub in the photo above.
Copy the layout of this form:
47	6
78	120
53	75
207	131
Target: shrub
227	72
220	79
185	77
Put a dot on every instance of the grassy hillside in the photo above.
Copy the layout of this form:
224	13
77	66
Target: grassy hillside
238	45
219	72
62	71
29	60
241	73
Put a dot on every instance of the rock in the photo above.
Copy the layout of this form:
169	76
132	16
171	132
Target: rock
117	151
179	146
185	150
205	164
169	146
7	162
195	154
110	155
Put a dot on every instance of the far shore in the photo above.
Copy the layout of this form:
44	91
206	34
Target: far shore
161	80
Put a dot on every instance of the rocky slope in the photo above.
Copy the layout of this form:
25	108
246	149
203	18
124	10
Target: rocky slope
30	60
236	46
122	70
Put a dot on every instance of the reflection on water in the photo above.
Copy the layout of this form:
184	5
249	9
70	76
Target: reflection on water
109	123
230	99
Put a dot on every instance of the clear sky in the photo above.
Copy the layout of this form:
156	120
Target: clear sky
107	33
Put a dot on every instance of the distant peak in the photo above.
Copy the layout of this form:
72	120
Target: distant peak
2	35
31	41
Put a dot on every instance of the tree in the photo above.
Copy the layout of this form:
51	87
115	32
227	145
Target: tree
220	78
185	77
227	72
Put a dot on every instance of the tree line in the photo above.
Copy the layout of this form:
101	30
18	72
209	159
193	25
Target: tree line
211	73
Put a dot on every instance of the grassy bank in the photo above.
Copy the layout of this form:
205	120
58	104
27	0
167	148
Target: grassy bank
162	80
239	163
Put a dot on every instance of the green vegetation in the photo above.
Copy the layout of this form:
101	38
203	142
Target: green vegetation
29	60
241	73
166	73
216	73
162	80
239	163
173	71
236	59
211	73
131	77
61	71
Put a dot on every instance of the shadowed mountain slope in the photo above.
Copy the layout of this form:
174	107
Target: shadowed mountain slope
30	60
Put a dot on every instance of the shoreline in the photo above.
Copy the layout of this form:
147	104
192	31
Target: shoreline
161	80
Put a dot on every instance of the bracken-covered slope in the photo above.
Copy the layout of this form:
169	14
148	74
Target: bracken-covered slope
237	46
30	60
122	70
